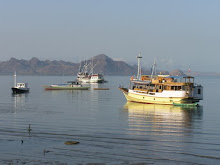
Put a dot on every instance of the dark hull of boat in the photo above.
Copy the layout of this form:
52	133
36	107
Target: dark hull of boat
17	90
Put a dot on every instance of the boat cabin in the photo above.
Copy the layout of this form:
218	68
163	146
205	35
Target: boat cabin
163	82
22	85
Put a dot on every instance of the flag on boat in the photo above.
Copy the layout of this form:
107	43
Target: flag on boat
189	70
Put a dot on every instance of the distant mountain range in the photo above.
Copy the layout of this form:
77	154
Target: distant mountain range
103	64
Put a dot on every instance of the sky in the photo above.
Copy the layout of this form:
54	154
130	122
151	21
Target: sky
178	33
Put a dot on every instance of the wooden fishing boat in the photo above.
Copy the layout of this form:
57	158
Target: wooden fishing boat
163	89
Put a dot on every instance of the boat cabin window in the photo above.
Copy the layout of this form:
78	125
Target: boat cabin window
176	88
189	79
199	91
21	85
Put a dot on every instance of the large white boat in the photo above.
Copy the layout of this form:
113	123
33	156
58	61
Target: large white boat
86	75
163	89
83	75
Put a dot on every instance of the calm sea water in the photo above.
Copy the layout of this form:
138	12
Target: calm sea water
110	131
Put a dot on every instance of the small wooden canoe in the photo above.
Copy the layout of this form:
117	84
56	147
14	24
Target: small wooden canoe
186	104
71	142
101	88
66	88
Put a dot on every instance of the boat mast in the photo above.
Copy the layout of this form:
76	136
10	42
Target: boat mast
15	79
85	67
152	73
139	66
80	66
154	68
92	67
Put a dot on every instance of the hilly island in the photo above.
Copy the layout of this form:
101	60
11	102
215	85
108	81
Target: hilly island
103	64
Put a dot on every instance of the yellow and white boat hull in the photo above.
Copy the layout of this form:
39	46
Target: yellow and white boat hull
155	99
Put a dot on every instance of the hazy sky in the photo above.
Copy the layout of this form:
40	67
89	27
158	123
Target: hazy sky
178	33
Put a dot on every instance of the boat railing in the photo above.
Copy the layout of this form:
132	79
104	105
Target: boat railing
140	91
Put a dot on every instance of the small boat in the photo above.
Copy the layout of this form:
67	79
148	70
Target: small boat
97	78
19	87
186	105
70	85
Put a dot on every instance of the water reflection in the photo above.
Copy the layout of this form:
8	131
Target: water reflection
95	85
162	118
99	95
19	101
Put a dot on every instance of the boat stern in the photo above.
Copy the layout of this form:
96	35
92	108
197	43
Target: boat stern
198	92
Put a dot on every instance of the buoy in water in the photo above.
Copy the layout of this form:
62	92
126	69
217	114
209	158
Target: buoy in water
29	128
45	151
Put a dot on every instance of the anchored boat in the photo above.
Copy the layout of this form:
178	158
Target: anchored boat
19	87
86	76
97	78
70	85
163	89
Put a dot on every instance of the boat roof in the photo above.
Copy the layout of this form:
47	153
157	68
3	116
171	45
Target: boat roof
174	77
22	83
140	82
188	77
